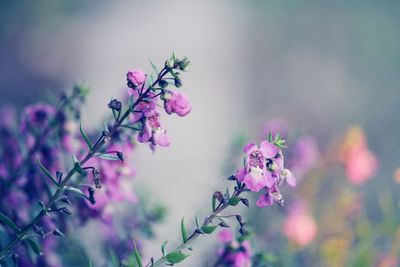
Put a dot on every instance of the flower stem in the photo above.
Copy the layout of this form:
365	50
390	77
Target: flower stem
99	144
221	207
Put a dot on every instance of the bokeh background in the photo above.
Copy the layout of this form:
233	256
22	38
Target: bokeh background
321	65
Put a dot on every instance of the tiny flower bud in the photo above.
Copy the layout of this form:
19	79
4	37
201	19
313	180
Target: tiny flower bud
239	219
163	83
66	211
58	233
178	81
115	105
97	178
245	201
91	199
223	224
218	195
232	178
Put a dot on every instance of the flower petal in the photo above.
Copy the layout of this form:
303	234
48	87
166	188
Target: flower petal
268	149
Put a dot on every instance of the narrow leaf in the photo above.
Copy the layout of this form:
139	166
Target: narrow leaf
208	229
233	201
137	255
197	221
154	67
34	246
176	257
214	202
106	156
86	138
183	230
9	222
77	166
47	172
163	247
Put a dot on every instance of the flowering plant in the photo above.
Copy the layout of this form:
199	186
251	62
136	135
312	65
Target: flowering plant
51	160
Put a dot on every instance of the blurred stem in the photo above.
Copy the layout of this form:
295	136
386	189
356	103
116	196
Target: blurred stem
99	144
221	207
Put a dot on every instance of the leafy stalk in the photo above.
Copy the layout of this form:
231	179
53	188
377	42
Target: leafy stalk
22	234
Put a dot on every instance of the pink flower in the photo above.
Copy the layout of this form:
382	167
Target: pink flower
360	166
360	163
176	102
225	236
152	131
136	77
300	226
255	174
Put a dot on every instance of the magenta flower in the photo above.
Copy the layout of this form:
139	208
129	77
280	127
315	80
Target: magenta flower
36	117
136	77
255	174
225	236
300	226
176	102
152	131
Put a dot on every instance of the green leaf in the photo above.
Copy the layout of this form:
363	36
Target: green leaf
9	222
47	172
91	263
87	140
137	255
197	221
77	166
208	229
106	156
233	201
214	203
183	230
163	247
154	67
176	257
34	246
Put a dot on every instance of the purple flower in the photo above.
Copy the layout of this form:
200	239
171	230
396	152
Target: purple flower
152	131
36	117
255	174
136	77
176	102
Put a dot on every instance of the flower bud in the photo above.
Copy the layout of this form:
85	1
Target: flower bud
115	105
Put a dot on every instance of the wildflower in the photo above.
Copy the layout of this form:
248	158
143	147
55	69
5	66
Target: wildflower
152	131
361	164
135	78
176	102
255	174
235	253
300	226
36	117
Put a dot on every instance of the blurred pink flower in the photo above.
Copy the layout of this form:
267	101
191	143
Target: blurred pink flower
176	102
360	163
225	236
136	77
300	226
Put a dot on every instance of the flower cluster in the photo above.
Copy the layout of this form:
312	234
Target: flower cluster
34	156
147	112
264	170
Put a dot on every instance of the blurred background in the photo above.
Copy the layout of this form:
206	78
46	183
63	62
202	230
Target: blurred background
320	65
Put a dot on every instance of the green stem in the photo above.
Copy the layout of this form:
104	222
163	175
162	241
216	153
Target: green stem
221	207
100	143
